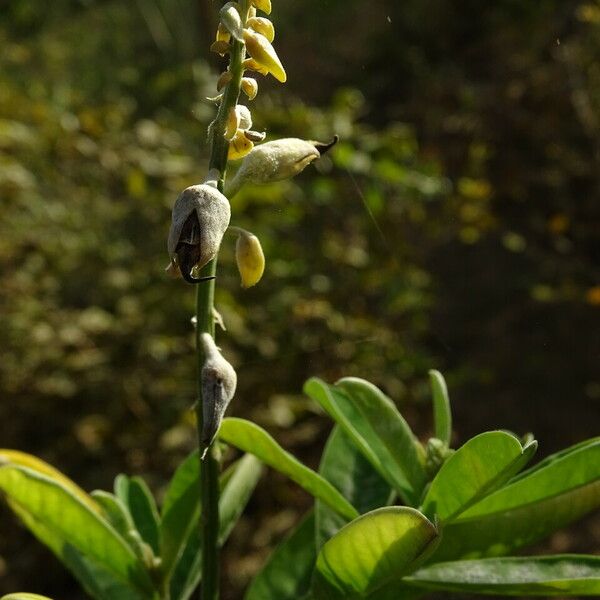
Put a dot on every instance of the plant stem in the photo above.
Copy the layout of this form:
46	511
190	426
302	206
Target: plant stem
209	472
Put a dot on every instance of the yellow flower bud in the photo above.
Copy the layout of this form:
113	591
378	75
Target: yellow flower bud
239	146
264	5
250	258
251	12
264	54
262	26
249	87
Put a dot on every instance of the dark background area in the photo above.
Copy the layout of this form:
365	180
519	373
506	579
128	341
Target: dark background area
456	226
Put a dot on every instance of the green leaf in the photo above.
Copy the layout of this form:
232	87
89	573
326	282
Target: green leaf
180	511
237	485
237	492
558	491
476	469
287	574
442	414
97	581
374	424
144	512
345	467
79	536
15	457
135	495
24	596
251	438
372	552
115	512
568	575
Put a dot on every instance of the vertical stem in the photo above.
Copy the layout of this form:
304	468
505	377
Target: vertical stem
209	472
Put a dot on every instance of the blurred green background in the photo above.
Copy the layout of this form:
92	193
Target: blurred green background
456	226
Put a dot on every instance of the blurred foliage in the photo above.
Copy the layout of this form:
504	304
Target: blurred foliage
455	226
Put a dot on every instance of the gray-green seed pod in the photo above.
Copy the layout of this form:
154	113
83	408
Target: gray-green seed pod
200	217
219	381
276	160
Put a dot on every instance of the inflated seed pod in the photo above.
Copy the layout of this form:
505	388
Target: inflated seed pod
200	217
219	381
277	160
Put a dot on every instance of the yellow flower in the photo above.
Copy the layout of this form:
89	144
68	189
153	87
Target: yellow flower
222	34
264	54
250	87
262	26
251	65
250	258
239	146
264	5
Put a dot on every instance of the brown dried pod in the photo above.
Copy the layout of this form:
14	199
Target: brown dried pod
200	217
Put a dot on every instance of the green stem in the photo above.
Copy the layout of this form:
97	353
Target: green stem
209	473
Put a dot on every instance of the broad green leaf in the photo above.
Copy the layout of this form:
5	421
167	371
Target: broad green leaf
237	485
135	495
379	431
22	459
287	574
475	470
77	534
236	493
180	512
568	575
372	552
24	596
343	465
562	489
98	582
115	512
251	438
442	414
144	513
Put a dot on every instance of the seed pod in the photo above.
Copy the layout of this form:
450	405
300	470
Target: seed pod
219	381
200	217
250	258
260	49
277	160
